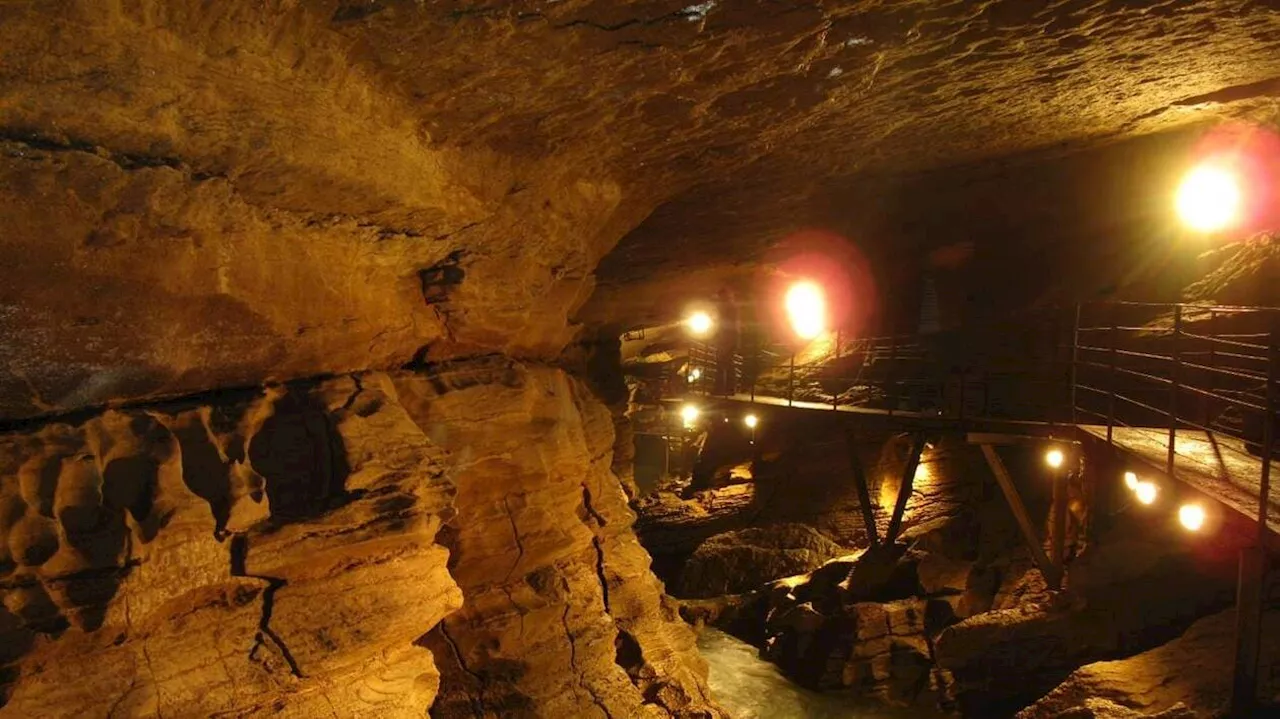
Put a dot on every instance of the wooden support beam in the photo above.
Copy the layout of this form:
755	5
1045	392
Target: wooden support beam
1058	547
864	492
1011	495
904	487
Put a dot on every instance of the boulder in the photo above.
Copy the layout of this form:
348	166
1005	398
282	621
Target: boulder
738	561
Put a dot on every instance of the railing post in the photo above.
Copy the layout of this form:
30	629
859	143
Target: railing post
835	393
1075	350
890	388
791	381
1111	383
1253	562
1174	378
1213	367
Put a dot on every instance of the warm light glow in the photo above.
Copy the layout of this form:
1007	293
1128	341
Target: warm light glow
806	309
699	323
689	414
751	420
1191	516
1054	458
1146	492
1131	480
695	374
1209	198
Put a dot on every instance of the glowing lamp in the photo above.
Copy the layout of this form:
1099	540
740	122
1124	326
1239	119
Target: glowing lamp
699	323
1209	198
1054	458
1146	492
1131	480
689	414
806	309
695	374
1191	516
751	421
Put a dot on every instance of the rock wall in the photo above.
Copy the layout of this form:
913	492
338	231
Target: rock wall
291	550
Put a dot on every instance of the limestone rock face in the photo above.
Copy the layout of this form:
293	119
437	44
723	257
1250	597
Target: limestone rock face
562	616
264	551
290	550
204	194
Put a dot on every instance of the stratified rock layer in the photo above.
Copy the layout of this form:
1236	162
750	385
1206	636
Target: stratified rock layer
290	550
562	616
263	551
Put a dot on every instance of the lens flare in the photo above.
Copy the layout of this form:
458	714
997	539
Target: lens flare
1191	516
689	413
751	421
806	309
1209	198
1131	480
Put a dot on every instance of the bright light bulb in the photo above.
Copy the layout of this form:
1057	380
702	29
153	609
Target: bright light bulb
1146	492
695	374
1191	516
751	421
1131	480
699	323
1209	198
806	309
1054	458
689	414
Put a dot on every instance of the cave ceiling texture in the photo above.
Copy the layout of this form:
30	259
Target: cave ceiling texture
197	195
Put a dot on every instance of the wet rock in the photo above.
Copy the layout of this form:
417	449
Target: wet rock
734	562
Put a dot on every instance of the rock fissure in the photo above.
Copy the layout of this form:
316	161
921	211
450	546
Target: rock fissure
515	536
239	555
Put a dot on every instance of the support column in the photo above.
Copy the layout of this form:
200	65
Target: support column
864	492
904	487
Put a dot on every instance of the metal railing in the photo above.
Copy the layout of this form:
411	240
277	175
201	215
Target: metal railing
1177	367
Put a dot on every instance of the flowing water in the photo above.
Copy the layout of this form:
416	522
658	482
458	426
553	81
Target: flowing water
752	688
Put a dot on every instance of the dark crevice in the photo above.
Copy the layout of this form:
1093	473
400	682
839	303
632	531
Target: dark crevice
477	699
239	554
126	161
515	533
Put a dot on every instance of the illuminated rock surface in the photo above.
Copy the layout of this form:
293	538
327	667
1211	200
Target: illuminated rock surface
244	242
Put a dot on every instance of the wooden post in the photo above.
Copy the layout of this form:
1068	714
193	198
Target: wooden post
1049	571
1213	375
1173	392
904	488
864	492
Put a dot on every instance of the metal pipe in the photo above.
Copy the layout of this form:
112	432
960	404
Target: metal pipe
1111	385
1075	346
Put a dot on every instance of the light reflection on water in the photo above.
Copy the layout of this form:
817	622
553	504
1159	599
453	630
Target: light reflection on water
752	688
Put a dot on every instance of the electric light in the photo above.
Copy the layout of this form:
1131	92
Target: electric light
751	421
1054	458
1208	199
1191	516
1146	492
695	374
806	309
699	323
1131	480
689	413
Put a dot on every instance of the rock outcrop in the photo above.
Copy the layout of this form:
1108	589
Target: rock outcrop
254	552
1186	678
740	561
292	549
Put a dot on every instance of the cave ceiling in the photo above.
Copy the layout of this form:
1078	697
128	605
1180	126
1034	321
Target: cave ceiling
196	195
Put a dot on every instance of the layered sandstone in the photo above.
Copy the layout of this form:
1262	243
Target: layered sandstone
292	549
